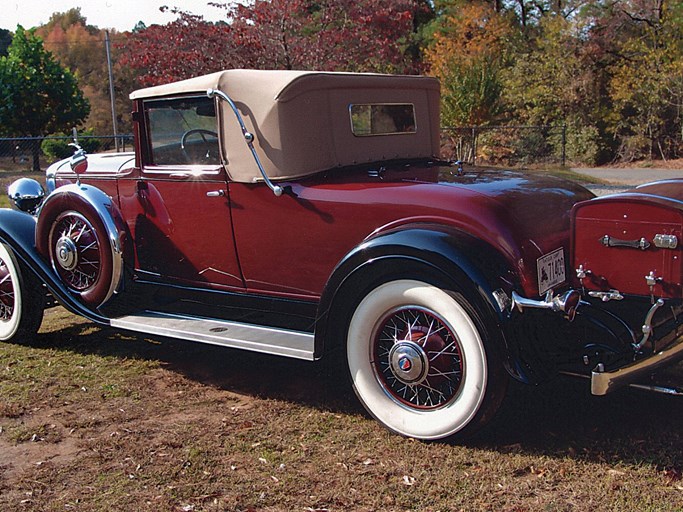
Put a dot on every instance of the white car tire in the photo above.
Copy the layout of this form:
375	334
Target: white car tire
418	361
21	300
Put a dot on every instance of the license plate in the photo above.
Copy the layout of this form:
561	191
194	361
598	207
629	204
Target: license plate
550	270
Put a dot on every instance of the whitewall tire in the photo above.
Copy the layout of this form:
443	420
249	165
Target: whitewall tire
418	360
21	300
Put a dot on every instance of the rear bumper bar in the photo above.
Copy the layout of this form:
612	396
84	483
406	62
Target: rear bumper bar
604	382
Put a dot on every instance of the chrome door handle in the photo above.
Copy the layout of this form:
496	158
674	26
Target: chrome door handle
215	193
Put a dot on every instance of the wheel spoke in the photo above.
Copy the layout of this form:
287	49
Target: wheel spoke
83	261
417	358
6	293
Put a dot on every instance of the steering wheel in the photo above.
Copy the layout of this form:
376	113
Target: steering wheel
203	133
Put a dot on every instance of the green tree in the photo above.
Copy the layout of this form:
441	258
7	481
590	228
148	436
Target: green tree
554	82
646	84
469	48
37	95
5	41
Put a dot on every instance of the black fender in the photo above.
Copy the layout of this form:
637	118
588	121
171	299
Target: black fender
436	253
99	208
18	231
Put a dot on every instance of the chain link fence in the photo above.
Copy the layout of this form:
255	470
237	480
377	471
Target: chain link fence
505	145
36	153
475	145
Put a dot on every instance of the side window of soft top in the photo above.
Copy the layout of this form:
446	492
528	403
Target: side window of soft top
183	131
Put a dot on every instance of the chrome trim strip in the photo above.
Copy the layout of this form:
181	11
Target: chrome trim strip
606	382
654	388
256	338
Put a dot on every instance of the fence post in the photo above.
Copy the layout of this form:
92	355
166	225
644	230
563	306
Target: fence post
474	145
564	145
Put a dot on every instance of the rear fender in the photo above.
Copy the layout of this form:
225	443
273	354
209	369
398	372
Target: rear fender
18	231
445	256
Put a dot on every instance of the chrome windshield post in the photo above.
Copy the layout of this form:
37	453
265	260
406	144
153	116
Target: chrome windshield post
248	138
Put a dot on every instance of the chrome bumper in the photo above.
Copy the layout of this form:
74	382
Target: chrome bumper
605	382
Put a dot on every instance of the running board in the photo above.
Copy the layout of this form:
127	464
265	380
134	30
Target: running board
268	340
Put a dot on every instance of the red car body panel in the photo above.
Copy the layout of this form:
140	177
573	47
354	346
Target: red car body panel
603	229
282	245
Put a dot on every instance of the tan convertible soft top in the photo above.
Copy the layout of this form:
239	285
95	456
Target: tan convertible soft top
301	119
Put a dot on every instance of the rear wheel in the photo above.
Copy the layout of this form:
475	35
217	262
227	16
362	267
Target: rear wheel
420	363
22	299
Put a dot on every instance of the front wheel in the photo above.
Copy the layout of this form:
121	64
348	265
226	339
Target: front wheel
419	361
22	299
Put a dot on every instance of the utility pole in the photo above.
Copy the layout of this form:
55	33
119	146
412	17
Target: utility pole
111	91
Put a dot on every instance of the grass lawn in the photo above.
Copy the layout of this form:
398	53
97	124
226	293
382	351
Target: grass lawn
93	419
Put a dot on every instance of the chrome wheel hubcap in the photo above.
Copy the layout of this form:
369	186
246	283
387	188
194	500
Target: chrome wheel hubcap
408	362
66	253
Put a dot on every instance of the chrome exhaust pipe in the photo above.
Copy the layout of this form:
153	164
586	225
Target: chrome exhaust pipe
566	303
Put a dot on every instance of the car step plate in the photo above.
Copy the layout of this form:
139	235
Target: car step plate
257	338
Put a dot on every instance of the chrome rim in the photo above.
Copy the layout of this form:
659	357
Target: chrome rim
417	358
76	251
6	293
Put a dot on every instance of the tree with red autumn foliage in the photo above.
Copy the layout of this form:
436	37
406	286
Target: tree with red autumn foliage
340	35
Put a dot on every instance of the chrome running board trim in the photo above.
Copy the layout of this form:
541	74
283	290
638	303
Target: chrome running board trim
256	338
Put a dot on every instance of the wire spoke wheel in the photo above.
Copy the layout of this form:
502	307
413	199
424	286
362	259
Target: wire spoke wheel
6	292
76	251
22	299
419	362
417	358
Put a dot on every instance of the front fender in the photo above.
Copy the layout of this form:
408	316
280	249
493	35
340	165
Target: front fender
18	231
92	202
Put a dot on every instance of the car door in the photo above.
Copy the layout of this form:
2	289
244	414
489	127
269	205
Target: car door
185	233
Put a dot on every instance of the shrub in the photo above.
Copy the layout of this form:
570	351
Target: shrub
58	148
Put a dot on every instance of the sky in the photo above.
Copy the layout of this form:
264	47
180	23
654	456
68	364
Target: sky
118	14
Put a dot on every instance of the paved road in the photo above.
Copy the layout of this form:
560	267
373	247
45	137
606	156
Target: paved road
630	176
619	180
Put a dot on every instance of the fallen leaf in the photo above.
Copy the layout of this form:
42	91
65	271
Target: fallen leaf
408	480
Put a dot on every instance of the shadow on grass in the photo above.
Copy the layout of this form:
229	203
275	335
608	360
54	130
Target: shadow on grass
559	419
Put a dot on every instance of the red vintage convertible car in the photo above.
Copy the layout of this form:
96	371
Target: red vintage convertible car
309	215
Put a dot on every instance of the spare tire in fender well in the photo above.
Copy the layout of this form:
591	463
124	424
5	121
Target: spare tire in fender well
88	209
